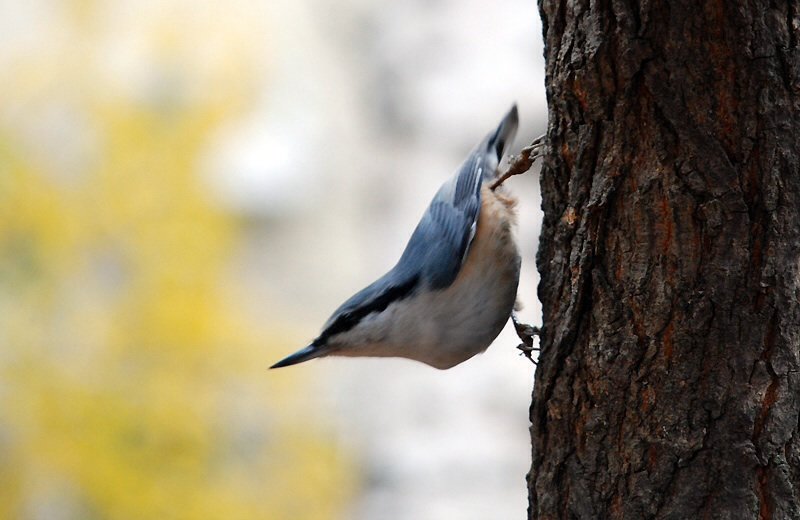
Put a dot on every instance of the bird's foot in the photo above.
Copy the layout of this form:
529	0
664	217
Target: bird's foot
526	333
522	163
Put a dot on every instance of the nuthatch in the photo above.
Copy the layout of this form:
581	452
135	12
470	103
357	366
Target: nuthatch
455	284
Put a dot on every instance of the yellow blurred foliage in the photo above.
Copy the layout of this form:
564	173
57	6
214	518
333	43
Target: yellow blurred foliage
129	386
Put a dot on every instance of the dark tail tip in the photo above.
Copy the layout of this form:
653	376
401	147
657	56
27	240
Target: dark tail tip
310	352
504	135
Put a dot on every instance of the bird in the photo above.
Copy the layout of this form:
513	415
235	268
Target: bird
455	285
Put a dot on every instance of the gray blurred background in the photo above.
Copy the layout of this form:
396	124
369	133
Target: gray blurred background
304	139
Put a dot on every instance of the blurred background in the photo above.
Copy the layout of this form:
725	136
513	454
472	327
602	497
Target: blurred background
187	190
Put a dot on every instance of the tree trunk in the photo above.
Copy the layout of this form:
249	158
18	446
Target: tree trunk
668	384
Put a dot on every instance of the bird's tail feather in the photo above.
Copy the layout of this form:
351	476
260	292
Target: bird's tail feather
502	138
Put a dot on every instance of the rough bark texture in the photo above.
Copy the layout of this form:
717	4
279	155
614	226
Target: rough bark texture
668	383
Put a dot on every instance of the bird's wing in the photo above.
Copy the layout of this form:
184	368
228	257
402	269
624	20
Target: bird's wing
433	254
441	241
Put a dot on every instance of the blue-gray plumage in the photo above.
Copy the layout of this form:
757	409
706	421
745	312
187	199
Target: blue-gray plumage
455	284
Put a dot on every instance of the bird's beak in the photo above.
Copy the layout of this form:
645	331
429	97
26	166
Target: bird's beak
310	352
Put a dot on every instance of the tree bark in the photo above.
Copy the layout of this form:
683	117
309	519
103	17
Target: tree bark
668	384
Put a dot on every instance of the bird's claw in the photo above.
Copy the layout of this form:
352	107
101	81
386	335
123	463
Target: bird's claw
522	162
526	333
